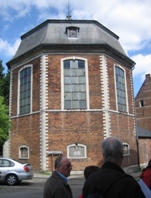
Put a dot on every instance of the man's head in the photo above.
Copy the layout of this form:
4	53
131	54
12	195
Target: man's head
90	169
63	166
112	150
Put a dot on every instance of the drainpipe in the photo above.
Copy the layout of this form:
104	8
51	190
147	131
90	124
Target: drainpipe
137	142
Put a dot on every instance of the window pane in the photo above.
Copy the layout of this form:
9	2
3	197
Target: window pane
82	96
81	80
75	96
74	80
82	104
67	104
68	96
75	88
75	104
67	80
68	88
67	64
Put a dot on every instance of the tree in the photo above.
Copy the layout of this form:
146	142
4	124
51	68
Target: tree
4	84
5	124
4	108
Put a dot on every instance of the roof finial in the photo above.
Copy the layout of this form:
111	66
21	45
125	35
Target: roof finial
68	16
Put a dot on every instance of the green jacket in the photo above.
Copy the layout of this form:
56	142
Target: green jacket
56	187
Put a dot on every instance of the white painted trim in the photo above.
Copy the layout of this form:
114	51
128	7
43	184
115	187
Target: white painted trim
43	113
105	96
20	157
126	93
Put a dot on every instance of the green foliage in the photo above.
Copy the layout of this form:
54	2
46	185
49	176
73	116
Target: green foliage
4	84
5	124
4	109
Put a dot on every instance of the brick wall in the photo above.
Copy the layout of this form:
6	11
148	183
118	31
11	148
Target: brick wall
68	127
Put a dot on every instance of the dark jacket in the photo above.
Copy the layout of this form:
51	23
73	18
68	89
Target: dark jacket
112	181
56	187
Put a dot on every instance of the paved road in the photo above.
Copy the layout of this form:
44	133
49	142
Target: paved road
34	189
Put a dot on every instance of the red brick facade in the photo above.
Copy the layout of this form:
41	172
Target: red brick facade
143	118
50	128
68	127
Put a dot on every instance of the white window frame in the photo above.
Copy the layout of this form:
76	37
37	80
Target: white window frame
62	83
127	107
76	144
128	149
18	106
23	146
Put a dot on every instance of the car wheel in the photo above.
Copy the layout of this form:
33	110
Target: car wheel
11	179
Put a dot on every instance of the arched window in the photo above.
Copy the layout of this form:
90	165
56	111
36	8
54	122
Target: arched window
126	149
74	84
120	89
25	90
76	151
24	152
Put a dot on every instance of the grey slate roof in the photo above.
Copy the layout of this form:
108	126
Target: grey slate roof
54	32
143	133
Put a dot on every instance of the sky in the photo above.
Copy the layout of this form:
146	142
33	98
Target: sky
129	19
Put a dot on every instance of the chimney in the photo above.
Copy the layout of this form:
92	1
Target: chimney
147	76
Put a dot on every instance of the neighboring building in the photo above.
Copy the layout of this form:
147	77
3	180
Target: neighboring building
71	87
143	119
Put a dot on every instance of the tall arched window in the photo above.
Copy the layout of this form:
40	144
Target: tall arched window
74	84
120	89
25	90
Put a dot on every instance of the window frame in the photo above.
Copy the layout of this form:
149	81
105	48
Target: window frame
141	103
116	90
86	84
128	149
20	154
72	28
80	145
19	95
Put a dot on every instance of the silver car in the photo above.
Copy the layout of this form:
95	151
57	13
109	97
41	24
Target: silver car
14	172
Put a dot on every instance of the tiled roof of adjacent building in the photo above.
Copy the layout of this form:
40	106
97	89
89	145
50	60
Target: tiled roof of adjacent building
141	132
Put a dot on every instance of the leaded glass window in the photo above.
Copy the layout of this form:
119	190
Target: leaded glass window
25	91
120	89
74	84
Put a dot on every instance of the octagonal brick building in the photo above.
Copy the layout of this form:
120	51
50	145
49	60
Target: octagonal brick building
71	87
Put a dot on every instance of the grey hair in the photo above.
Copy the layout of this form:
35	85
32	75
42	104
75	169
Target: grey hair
112	149
58	161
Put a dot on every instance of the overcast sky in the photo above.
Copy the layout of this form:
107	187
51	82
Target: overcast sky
129	19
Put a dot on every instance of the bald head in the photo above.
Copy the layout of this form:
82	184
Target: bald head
63	166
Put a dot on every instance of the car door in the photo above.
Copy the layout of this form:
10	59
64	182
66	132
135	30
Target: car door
5	168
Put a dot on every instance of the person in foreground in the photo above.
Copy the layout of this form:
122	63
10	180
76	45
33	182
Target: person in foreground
56	185
111	180
145	180
146	175
88	171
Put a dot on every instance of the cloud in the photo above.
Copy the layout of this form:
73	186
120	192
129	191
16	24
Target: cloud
143	66
7	48
131	20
